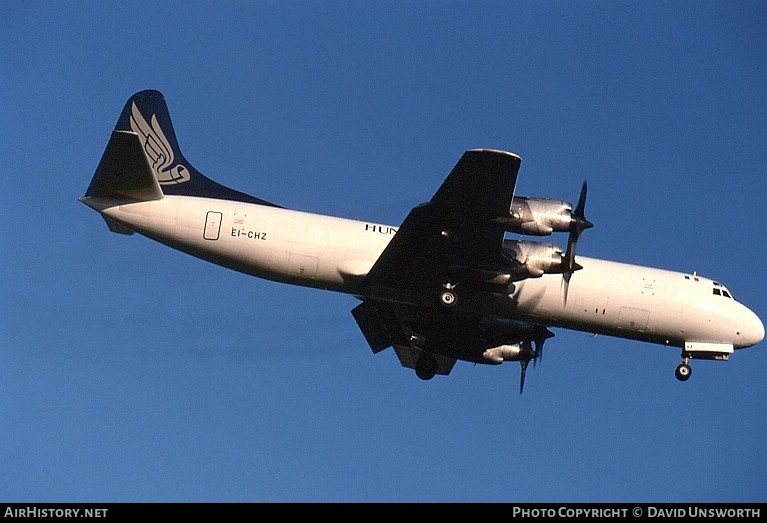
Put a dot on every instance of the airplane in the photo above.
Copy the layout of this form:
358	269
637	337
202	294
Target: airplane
447	284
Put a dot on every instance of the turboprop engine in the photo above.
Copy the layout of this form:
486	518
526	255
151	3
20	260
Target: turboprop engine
533	259
543	216
515	351
512	340
538	216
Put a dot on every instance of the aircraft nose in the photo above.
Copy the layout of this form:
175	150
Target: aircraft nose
752	330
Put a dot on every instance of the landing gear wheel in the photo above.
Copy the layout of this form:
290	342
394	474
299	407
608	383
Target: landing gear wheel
683	372
448	298
426	366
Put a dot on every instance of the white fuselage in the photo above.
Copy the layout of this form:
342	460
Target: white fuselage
333	253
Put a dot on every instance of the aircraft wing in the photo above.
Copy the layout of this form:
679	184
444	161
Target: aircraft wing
402	327
441	338
458	229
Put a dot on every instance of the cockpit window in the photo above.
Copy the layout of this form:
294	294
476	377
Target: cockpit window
718	290
721	291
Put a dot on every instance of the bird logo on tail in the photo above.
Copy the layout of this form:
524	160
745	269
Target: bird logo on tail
158	149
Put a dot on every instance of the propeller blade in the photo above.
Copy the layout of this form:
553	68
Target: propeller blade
534	353
523	364
578	224
579	209
538	351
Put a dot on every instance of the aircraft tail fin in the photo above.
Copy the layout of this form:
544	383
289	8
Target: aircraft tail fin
143	140
124	172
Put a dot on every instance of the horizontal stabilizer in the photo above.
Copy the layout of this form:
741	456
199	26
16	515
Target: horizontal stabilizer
116	226
124	172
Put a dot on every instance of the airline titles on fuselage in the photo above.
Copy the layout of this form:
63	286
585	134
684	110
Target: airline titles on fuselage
380	229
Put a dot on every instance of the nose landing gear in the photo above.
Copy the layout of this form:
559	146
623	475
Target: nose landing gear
684	371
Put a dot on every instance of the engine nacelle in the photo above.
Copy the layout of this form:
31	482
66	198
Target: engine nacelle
534	258
512	340
503	353
537	216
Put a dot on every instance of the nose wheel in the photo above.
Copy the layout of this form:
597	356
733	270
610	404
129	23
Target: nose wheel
684	371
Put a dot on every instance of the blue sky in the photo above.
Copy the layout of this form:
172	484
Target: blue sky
132	372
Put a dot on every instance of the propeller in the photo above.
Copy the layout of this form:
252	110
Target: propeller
578	224
539	347
537	354
524	364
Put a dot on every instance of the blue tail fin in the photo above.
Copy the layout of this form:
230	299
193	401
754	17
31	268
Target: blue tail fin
146	114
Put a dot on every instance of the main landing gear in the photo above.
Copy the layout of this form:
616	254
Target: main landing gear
684	371
448	297
426	366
